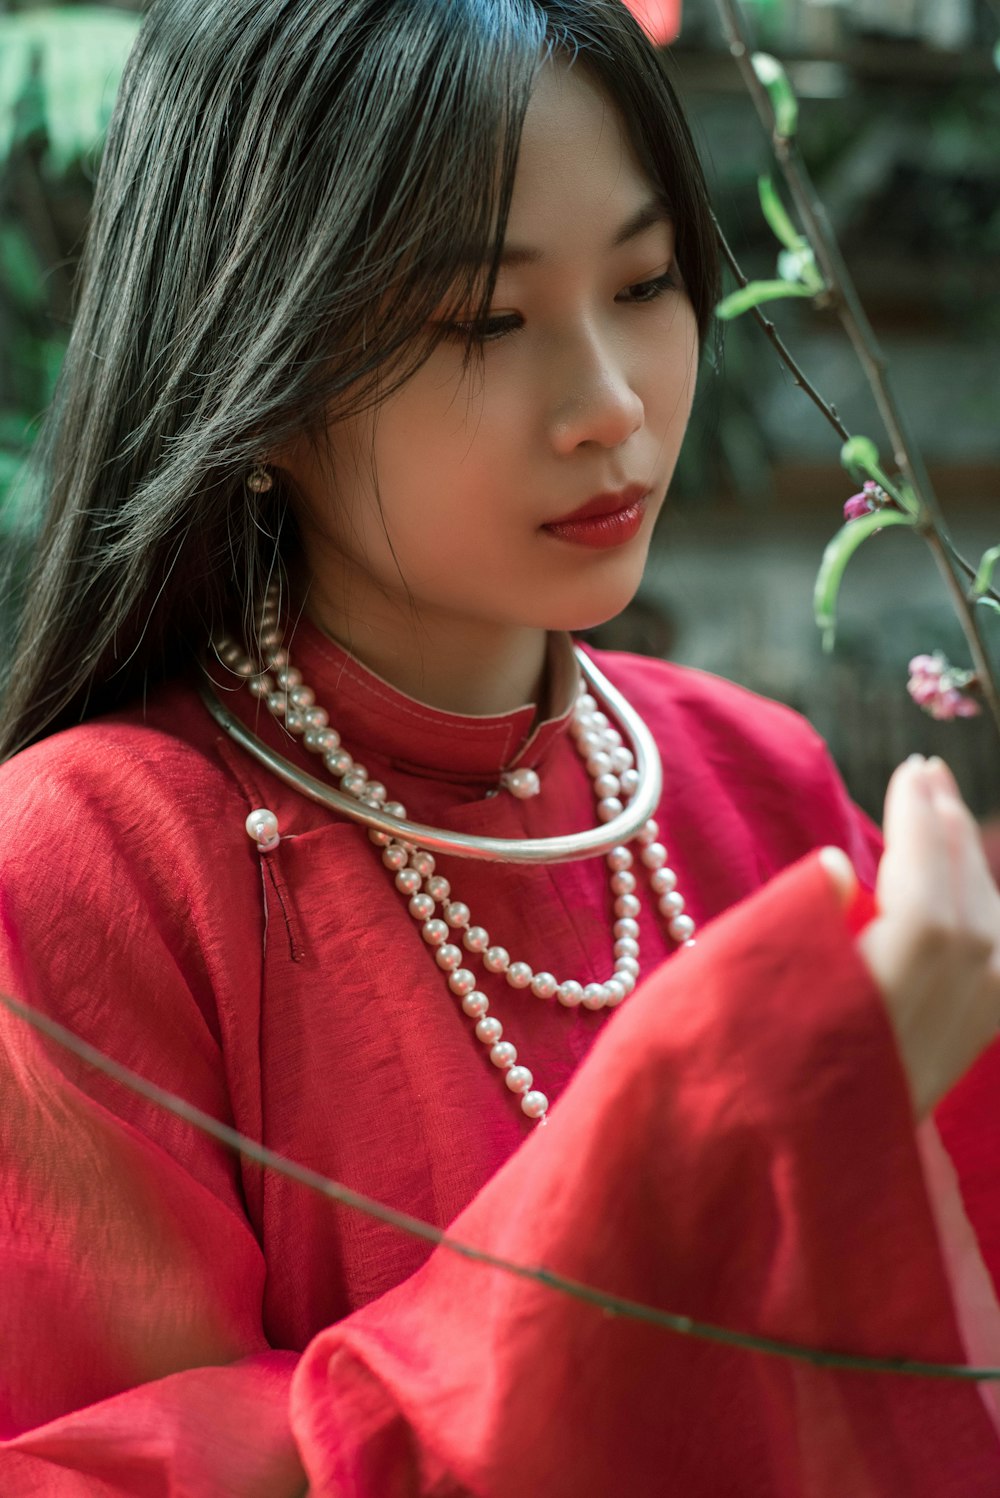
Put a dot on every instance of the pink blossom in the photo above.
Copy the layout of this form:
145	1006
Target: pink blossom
871	498
940	688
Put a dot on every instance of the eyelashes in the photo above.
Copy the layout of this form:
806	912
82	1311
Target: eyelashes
492	329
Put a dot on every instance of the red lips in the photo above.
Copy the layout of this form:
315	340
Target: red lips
604	504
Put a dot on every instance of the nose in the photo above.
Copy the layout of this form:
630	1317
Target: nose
595	399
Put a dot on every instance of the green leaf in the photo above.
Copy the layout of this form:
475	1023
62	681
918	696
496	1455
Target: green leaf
780	92
989	603
776	214
835	559
755	292
984	577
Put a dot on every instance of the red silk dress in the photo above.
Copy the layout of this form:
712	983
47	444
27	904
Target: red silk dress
734	1143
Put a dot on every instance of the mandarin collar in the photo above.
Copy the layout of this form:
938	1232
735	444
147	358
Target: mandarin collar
367	711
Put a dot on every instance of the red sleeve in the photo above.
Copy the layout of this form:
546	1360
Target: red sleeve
737	1146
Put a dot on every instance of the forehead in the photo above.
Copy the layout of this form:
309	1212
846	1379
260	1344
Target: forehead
577	171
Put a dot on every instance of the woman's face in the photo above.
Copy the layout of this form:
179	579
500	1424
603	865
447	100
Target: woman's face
585	386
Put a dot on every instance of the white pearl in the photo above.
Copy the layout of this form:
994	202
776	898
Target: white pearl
627	980
302	697
461	981
408	882
534	1104
375	792
448	957
353	783
503	1054
544	985
476	939
600	720
627	946
261	686
648	833
317	717
519	975
662	881
521	783
629	782
489	1030
585	703
380	839
518	1078
434	933
654	855
496	959
612	738
338	761
615	990
395	809
439	889
606	787
294	721
423	862
276	704
262	826
456	913
311	740
627	907
279	658
599	763
623	883
627	965
475	1004
421	907
681	928
594	996
288	677
591	742
394	856
619	859
627	927
622	759
570	993
609	808
671	905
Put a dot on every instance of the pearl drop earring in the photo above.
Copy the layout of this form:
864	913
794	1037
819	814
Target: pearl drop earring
259	481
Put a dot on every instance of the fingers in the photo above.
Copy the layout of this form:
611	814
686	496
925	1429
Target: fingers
841	872
916	867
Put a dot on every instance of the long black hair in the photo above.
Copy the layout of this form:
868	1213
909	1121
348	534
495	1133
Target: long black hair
288	193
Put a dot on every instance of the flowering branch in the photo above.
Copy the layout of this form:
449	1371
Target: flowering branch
776	105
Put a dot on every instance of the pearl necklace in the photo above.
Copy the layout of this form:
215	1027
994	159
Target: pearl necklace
611	766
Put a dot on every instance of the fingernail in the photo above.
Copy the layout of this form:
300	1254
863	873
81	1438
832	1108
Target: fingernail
915	759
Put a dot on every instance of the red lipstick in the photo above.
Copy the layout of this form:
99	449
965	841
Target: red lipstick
605	520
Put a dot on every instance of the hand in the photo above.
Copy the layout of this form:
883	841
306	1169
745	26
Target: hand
934	949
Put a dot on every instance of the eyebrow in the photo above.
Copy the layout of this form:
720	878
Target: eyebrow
652	212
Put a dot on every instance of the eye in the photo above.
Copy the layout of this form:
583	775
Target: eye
491	330
648	291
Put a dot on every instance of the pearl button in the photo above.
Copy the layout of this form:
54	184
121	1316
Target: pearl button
262	826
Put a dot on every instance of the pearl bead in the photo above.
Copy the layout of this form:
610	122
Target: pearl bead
627	946
627	906
395	809
496	959
544	985
619	859
262	826
599	763
423	862
626	927
662	881
609	808
627	980
623	883
311	739
353	783
456	913
534	1104
615	990
375	792
594	996
521	783
276	704
448	957
302	697
591	742
671	905
461	981
681	928
475	1004
476	939
394	856
600	720
294	721
649	832
439	889
380	839
570	993
629	780
585	703
408	882
622	759
519	975
606	787
338	761
288	677
434	933
489	1030
316	717
421	907
612	738
261	686
503	1054
278	658
518	1078
654	855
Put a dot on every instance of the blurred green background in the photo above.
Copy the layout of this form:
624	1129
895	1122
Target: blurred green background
900	126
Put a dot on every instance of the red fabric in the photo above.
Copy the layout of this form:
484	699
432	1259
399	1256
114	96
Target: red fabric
735	1145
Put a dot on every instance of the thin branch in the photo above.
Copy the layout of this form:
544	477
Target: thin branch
844	297
416	1227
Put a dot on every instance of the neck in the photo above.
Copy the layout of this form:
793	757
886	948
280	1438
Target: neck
457	665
